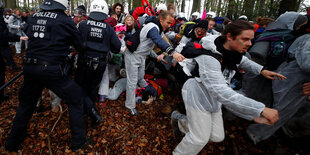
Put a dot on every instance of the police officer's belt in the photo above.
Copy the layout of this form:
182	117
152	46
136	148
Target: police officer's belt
35	61
95	58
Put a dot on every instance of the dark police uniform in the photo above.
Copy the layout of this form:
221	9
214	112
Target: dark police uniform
100	38
50	35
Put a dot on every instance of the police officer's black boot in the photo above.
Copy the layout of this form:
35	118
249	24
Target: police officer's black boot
95	116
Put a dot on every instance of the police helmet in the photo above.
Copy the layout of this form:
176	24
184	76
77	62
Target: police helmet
78	12
54	5
99	10
211	14
180	15
196	15
243	17
161	7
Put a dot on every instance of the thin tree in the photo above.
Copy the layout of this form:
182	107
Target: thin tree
288	5
231	8
196	6
183	6
248	8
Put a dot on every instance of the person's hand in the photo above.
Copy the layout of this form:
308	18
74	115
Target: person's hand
160	57
270	75
271	115
178	57
306	89
149	101
261	120
23	38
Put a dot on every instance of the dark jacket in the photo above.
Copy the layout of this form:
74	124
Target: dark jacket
100	38
50	35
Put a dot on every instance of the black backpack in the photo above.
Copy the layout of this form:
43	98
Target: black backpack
133	41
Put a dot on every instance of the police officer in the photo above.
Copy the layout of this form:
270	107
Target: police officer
100	38
50	33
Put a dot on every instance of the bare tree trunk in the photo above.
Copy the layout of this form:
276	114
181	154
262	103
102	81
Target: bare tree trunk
169	1
248	8
230	8
262	10
136	3
11	4
270	7
183	6
129	4
238	10
219	7
288	5
195	6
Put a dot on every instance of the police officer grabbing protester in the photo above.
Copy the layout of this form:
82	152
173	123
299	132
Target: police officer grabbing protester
100	38
50	32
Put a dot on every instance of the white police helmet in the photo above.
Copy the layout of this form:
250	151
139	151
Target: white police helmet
196	15
160	7
243	17
99	10
181	15
54	5
211	14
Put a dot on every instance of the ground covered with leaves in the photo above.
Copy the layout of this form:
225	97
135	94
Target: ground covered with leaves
120	133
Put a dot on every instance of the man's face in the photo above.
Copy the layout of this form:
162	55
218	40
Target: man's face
242	42
200	32
24	14
118	10
211	24
166	23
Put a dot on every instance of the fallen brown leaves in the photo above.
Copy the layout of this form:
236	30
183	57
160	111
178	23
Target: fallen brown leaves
120	133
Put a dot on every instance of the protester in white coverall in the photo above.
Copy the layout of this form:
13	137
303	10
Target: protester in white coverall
204	96
150	34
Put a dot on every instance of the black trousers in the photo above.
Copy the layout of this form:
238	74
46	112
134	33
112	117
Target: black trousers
8	56
2	76
36	78
89	79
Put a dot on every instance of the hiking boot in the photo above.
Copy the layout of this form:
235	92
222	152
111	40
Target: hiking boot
4	98
175	125
133	111
95	117
87	142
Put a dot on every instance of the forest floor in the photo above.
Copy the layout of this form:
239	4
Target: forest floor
120	133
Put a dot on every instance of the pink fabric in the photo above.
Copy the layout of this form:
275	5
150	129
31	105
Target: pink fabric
204	15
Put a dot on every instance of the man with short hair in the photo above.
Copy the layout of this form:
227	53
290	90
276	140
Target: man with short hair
205	94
